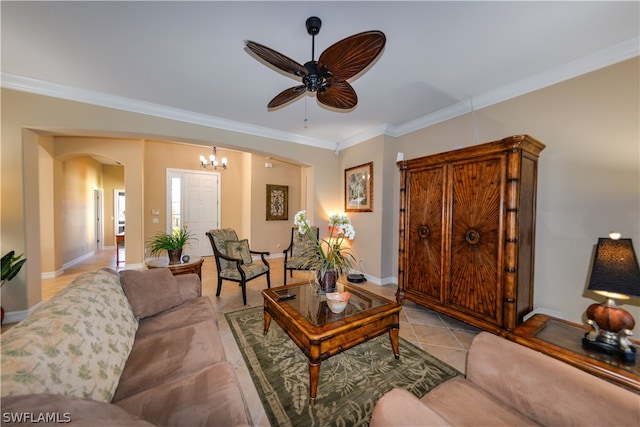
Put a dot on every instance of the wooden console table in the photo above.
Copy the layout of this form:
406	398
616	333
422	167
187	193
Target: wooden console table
562	340
193	266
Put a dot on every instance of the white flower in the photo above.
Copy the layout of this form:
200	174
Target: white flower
300	221
342	226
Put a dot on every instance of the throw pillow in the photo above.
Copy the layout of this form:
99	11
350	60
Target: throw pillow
239	249
150	291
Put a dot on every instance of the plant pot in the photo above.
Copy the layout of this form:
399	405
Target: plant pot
327	281
174	256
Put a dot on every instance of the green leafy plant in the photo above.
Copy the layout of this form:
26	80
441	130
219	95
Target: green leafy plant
11	266
328	254
177	240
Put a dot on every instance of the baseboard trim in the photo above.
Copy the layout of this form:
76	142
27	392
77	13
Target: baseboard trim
51	274
17	316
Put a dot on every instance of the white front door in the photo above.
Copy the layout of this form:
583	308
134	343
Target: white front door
201	208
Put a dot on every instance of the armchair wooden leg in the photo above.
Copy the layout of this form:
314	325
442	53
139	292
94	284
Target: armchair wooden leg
269	279
285	276
219	286
244	292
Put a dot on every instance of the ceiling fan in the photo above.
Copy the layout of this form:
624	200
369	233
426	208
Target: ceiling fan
329	74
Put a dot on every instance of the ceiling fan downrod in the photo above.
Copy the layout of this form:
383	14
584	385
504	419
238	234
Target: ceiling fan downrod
313	80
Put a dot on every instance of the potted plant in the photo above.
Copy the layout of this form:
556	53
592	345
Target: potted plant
172	243
11	266
327	256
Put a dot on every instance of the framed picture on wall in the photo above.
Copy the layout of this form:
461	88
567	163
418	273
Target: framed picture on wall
277	202
358	188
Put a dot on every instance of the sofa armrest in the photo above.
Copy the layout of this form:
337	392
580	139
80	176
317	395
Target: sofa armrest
547	390
398	407
189	286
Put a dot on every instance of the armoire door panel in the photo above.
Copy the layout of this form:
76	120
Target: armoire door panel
424	272
477	190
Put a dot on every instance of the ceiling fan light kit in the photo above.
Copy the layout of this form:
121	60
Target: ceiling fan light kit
327	76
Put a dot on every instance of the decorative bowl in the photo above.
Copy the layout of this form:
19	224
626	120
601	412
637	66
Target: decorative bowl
338	301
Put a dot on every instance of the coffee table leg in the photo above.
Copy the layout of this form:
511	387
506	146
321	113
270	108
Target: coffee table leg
393	335
314	376
267	321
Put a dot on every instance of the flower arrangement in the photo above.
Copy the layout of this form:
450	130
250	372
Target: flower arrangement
328	254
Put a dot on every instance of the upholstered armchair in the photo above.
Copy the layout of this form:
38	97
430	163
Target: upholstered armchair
294	255
234	261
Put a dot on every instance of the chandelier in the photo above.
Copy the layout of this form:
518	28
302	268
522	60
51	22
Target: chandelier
213	160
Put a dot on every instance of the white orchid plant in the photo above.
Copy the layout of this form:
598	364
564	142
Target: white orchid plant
328	254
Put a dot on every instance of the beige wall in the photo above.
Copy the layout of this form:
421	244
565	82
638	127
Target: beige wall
368	242
49	261
273	236
589	174
75	204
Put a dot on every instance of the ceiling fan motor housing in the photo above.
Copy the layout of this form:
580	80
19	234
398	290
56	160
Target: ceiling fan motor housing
315	78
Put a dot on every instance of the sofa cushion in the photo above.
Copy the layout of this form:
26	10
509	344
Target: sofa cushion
169	356
239	249
189	312
75	344
210	397
250	271
462	403
36	408
150	291
189	286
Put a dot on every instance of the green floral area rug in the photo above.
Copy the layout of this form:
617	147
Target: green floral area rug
350	382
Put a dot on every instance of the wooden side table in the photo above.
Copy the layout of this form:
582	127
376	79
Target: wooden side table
193	266
562	340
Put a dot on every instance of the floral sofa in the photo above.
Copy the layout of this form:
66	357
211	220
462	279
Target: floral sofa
508	384
139	348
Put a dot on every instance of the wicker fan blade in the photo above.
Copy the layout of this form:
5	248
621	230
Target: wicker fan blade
286	96
338	94
349	56
276	59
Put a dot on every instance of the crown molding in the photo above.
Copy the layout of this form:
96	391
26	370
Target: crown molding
612	55
56	90
609	56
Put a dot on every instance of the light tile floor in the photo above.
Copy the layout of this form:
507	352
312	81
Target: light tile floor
442	336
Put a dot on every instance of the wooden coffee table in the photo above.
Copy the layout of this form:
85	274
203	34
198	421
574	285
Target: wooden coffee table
319	333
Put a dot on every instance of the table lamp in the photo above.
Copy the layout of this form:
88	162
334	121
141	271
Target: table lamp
615	275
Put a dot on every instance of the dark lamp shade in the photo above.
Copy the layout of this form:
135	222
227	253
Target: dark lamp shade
615	268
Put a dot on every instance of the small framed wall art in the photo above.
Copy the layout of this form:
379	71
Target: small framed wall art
277	202
358	188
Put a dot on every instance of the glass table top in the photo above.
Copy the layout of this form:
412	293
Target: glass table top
313	306
570	337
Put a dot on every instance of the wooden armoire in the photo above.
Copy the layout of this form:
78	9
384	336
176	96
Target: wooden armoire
467	232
